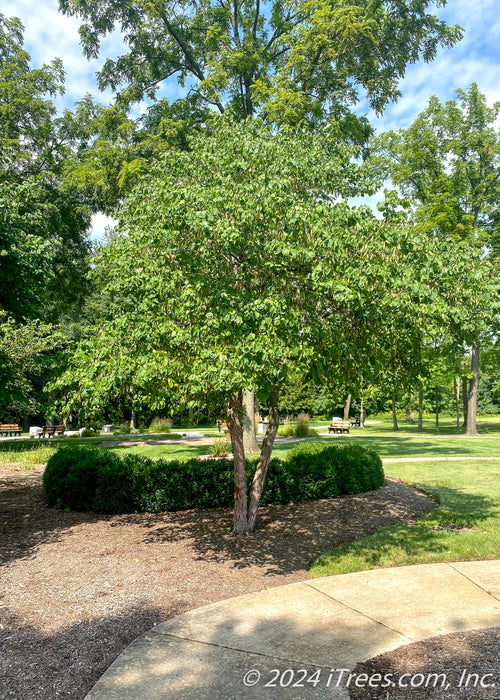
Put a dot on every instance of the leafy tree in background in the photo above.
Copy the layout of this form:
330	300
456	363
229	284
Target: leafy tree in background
24	352
42	223
290	60
286	61
448	162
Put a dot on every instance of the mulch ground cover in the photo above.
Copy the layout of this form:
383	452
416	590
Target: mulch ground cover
76	588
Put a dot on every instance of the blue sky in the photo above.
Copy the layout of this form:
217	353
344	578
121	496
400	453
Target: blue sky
49	34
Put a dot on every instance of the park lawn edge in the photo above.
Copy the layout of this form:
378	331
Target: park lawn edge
440	536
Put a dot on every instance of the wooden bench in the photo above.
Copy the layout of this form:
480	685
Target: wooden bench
51	431
10	429
341	426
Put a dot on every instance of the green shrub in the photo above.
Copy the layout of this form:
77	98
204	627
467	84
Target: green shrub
301	429
93	478
88	432
122	429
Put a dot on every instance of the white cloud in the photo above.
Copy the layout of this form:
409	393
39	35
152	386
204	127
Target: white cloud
49	34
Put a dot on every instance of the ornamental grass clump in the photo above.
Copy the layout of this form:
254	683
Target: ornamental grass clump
161	425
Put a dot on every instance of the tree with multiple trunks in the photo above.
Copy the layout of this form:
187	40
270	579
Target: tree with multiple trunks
240	262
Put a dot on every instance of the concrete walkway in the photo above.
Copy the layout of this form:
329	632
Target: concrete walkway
228	650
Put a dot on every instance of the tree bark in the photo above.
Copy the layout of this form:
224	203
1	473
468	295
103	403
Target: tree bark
265	457
133	419
436	396
457	402
362	415
420	407
240	484
465	401
347	407
472	399
394	415
249	439
412	407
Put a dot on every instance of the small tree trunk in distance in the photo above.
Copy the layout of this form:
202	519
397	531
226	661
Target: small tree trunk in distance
249	439
420	407
394	416
347	407
457	402
473	387
436	395
362	415
407	413
412	407
465	401
265	457
133	419
240	482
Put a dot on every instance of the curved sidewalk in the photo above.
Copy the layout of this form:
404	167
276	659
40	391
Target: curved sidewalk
311	628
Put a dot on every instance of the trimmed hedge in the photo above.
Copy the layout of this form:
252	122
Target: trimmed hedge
94	478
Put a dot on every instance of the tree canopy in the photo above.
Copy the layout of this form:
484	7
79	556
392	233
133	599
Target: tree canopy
286	59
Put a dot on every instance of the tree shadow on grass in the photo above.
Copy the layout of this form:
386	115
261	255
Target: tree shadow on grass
430	536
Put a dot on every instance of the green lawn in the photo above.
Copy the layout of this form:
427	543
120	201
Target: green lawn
485	426
464	526
416	446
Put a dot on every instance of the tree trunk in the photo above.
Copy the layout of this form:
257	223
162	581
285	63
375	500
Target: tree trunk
407	413
457	402
133	419
347	407
362	415
249	439
394	416
420	407
265	456
472	399
412	407
436	396
465	401
240	483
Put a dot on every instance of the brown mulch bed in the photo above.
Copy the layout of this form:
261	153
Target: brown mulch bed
467	665
76	588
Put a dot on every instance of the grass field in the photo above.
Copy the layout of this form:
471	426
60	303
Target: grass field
464	526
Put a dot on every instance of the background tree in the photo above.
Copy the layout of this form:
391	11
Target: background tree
295	60
43	222
40	219
448	161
